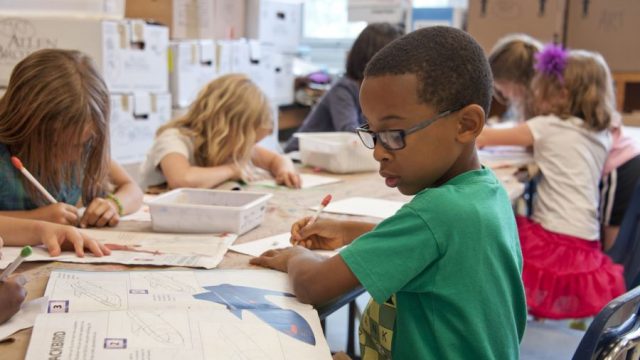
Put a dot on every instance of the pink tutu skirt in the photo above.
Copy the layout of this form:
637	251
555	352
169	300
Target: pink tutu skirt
565	276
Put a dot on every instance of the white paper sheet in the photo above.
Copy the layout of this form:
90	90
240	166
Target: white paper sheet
361	206
25	318
503	156
257	247
138	248
308	181
226	314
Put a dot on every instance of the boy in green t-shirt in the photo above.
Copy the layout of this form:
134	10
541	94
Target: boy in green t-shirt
444	271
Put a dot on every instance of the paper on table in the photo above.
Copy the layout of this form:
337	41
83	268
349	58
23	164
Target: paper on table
25	318
257	247
501	156
225	314
364	207
138	248
308	181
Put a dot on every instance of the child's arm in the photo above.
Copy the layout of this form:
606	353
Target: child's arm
127	198
327	234
126	190
517	136
20	232
59	213
315	278
281	167
179	173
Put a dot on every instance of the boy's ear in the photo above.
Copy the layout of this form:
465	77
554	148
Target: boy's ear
470	123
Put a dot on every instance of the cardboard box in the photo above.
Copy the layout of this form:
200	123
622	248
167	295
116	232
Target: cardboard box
135	117
192	66
130	54
108	9
631	119
490	20
284	79
181	16
609	27
275	22
221	19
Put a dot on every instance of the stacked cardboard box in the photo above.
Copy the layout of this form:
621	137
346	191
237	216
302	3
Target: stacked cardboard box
130	54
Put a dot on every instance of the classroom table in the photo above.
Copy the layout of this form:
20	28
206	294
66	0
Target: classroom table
284	208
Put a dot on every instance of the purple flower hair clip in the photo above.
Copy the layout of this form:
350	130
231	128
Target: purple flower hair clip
552	61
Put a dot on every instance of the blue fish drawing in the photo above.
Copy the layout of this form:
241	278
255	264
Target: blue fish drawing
238	298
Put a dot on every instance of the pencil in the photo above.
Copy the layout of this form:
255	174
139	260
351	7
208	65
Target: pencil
18	165
26	251
325	202
314	218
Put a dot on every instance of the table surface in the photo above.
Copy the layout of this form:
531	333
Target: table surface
284	208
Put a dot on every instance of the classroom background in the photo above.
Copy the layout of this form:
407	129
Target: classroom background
155	55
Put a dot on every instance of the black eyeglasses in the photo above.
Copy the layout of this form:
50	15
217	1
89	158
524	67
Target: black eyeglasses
394	139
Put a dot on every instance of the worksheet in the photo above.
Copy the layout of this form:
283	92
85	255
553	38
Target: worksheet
218	314
308	181
361	206
257	247
140	248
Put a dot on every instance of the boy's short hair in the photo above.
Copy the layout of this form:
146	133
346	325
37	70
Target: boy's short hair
451	67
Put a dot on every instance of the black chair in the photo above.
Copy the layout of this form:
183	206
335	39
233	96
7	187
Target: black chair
613	334
615	331
626	250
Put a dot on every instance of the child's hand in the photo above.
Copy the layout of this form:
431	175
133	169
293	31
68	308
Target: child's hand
276	259
289	178
101	212
59	213
324	234
12	294
57	237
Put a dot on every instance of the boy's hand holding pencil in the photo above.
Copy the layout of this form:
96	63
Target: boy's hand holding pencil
311	233
323	234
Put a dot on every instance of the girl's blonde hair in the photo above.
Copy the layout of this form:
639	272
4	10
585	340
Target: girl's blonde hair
512	58
224	119
585	90
54	98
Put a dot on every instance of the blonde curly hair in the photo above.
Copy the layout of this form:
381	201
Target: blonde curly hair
224	119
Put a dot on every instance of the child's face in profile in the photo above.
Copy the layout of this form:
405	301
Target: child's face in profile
391	102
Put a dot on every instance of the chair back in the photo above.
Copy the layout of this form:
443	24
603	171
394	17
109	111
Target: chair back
614	332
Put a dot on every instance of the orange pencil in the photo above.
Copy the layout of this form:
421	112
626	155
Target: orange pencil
18	165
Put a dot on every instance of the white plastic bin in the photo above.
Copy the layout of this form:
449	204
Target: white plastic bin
337	152
208	211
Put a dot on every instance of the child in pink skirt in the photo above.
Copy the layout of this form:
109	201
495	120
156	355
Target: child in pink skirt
565	273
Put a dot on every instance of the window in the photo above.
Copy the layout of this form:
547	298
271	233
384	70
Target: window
327	19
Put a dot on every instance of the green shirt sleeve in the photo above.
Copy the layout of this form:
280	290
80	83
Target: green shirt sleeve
396	251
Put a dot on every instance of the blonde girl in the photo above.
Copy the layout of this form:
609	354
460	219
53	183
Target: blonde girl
54	116
216	140
511	60
565	273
